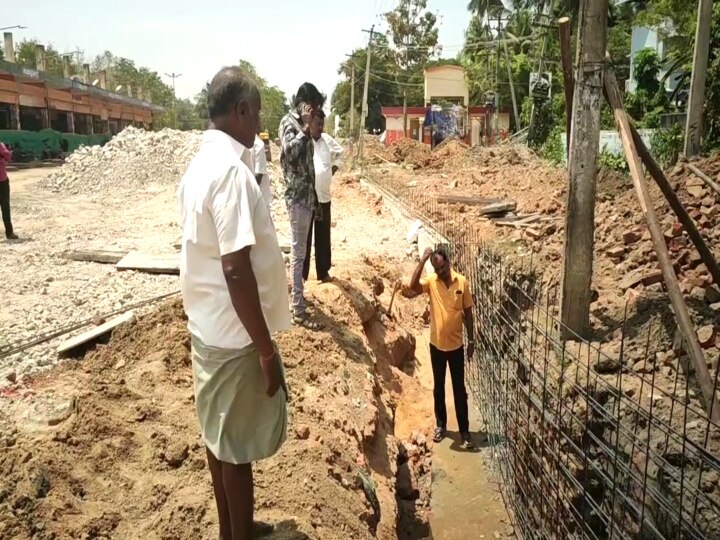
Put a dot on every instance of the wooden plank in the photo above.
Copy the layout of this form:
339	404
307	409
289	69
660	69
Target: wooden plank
459	199
704	177
69	346
680	308
102	256
152	264
661	180
525	221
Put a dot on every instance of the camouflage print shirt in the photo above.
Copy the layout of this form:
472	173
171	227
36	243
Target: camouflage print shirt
296	160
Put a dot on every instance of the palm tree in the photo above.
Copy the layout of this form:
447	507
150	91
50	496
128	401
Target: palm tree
483	8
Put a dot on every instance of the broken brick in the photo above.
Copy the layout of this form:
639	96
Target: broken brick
706	335
616	252
630	237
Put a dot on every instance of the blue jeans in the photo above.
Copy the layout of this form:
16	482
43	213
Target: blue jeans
300	221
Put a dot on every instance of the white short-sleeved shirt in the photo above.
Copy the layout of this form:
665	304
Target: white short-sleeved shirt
327	155
222	211
261	168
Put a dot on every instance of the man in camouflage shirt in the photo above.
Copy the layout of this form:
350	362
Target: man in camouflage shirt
296	160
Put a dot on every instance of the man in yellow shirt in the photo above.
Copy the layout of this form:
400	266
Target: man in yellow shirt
450	306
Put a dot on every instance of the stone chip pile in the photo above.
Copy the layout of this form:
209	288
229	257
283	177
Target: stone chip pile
133	159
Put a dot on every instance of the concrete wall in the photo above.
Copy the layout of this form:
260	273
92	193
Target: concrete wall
610	141
446	82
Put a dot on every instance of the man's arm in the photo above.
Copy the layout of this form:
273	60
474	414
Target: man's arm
232	205
243	290
415	283
294	142
5	154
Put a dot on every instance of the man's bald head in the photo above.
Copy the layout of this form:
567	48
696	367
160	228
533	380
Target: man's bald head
234	104
230	86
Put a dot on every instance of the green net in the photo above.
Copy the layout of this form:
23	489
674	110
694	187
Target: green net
47	143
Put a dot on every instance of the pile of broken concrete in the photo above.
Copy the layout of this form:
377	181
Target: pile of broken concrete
133	159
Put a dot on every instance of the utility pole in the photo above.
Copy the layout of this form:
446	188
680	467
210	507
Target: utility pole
173	76
351	130
693	123
585	140
363	116
512	85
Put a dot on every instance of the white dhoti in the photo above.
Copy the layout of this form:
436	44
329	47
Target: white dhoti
240	423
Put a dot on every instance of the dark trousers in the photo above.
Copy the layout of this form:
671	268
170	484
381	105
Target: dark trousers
5	206
456	361
323	250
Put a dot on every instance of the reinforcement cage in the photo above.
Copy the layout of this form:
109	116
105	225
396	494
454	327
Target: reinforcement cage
583	445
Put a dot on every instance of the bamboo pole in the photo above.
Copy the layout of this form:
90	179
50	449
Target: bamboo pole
676	298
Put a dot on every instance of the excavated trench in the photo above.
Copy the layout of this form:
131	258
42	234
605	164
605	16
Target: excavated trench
109	447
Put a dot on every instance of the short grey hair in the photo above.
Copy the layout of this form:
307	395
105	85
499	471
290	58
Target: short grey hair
230	86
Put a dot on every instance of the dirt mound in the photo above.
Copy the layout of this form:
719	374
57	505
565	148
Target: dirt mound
109	447
447	153
410	152
133	159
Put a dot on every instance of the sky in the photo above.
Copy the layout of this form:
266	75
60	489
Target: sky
288	41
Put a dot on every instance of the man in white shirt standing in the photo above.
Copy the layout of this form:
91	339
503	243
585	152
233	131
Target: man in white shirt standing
261	170
327	159
232	279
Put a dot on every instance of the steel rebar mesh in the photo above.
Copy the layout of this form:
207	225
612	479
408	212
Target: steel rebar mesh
579	453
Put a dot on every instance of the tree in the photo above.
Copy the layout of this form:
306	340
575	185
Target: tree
274	101
25	55
485	8
383	89
414	33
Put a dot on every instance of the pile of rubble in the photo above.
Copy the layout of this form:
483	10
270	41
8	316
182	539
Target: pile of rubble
133	159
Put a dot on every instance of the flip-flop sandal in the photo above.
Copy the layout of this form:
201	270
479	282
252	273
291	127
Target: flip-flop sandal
306	321
467	443
439	434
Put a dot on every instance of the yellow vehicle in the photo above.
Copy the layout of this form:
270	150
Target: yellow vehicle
265	138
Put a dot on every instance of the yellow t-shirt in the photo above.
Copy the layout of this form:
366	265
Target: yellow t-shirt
446	310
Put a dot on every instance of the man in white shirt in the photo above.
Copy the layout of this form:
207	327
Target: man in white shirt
233	279
326	158
261	170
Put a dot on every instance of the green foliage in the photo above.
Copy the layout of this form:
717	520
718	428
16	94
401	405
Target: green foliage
26	57
123	71
667	144
647	68
612	162
649	101
554	150
414	33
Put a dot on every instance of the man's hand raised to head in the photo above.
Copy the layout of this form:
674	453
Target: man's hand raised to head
306	114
